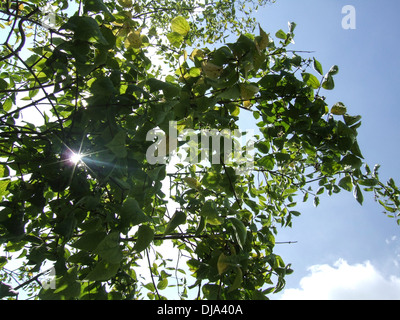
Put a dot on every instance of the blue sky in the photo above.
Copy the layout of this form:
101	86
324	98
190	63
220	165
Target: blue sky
340	238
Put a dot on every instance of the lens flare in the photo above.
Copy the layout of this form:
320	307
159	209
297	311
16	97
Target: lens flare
75	158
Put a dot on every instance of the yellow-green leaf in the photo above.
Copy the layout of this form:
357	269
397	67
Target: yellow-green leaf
197	54
339	109
133	40
192	183
263	40
247	90
180	25
126	3
7	105
238	280
223	263
211	70
177	219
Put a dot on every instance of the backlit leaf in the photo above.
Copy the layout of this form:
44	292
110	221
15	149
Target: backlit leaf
339	109
103	271
132	214
117	145
223	263
346	183
133	40
238	280
180	25
145	236
177	219
85	29
318	67
211	70
358	194
109	248
240	231
311	80
7	104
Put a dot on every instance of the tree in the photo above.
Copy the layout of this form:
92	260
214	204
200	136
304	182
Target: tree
120	88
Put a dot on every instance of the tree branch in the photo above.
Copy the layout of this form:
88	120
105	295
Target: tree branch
22	32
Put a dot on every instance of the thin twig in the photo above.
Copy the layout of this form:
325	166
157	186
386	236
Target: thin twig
31	279
151	273
231	184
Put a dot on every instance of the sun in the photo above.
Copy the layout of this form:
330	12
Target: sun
75	158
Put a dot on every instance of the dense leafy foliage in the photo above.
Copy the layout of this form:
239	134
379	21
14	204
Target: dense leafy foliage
79	194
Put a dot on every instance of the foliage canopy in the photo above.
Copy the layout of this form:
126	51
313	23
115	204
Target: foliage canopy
101	75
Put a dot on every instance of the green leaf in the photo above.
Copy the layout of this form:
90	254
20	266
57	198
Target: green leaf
118	145
311	80
318	67
97	6
346	183
368	182
292	26
339	109
267	162
240	231
3	84
145	236
194	72
352	160
175	39
66	227
223	263
334	70
209	211
328	82
177	219
7	104
263	146
89	241
316	201
85	29
109	248
170	91
3	187
281	35
192	183
103	271
131	213
68	285
231	93
358	194
248	90
163	284
211	70
238	280
102	88
6	291
350	120
180	25
133	40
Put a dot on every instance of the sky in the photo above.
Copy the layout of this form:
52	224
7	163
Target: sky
344	250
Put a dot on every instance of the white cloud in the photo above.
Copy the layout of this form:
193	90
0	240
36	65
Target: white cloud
345	282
